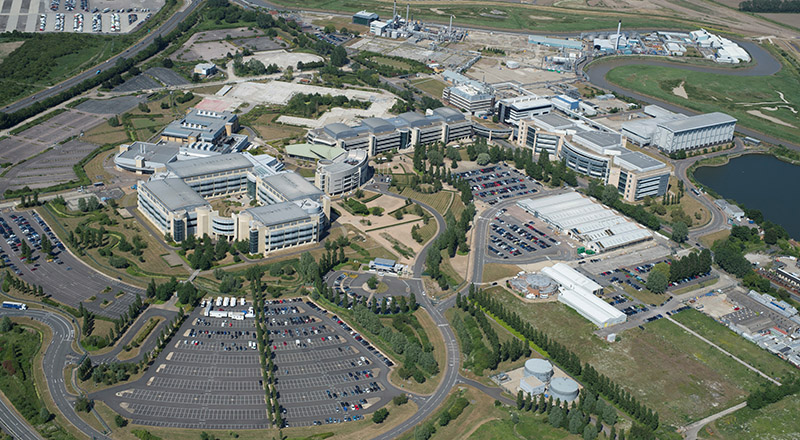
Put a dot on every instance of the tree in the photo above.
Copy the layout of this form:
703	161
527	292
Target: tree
44	415
483	159
556	417
589	432
444	419
166	62
120	421
657	282
400	399
380	415
520	400
680	232
372	282
610	195
6	324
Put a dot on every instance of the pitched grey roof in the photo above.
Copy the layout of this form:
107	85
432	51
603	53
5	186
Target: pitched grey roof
174	194
449	114
208	165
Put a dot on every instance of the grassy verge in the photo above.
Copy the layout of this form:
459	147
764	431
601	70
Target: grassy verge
774	421
496	271
645	295
694	287
139	339
439	201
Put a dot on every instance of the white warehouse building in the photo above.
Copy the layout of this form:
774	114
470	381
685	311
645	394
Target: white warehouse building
694	132
578	292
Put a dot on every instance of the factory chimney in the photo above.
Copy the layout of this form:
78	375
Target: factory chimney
619	26
394	10
451	24
408	6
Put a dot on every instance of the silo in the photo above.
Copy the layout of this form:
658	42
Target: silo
538	368
564	388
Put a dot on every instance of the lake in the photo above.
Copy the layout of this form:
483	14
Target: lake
760	182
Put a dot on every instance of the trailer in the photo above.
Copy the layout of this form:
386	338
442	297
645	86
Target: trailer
14	305
219	301
218	314
239	316
207	310
242	301
226	301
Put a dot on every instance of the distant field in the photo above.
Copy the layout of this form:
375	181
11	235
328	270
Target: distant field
439	201
735	95
675	373
788	19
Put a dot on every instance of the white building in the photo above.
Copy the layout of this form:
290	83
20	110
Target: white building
344	173
579	292
694	132
732	211
512	110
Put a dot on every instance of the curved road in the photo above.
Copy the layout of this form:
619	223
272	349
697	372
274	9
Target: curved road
56	356
165	28
766	65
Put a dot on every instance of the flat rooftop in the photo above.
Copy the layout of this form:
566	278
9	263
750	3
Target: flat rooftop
279	213
174	194
293	186
209	165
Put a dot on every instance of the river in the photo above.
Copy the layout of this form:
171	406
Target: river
760	182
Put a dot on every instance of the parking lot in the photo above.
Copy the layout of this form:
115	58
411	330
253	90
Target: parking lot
66	279
115	16
113	106
327	373
351	284
495	183
209	376
50	168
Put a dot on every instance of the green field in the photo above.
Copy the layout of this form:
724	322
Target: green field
439	201
431	86
734	95
509	17
533	427
776	421
675	373
734	344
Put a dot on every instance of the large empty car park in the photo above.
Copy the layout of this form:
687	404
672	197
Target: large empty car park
209	376
496	183
53	167
35	140
66	278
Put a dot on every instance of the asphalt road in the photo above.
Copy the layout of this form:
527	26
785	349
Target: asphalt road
149	343
56	356
164	29
766	65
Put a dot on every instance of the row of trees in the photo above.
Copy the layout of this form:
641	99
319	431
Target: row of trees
266	356
10	281
770	6
452	239
609	195
568	360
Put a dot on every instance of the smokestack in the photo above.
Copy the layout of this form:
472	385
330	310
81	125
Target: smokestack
394	10
408	6
451	24
619	26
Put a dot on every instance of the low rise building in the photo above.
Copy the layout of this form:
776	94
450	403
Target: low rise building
579	292
201	126
205	69
732	211
346	172
364	18
145	157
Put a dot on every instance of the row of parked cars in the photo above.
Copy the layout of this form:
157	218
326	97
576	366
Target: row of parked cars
358	338
97	23
77	23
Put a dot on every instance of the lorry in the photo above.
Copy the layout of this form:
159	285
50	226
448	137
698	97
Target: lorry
14	305
219	301
226	301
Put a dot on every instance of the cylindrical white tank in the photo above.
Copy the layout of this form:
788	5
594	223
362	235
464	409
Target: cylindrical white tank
539	368
564	388
512	64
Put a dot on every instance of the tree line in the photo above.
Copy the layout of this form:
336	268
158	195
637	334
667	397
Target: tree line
568	360
770	6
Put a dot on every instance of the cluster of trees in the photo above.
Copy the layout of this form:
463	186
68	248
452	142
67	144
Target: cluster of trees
770	6
409	102
206	252
427	429
770	393
576	418
365	58
187	292
691	265
609	195
27	202
252	67
135	249
358	208
88	204
266	357
417	354
310	66
380	415
479	357
21	286
311	105
567	360
452	239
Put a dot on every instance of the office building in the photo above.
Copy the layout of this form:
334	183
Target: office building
364	18
344	173
145	157
640	131
204	126
512	110
293	211
694	132
376	135
467	94
597	154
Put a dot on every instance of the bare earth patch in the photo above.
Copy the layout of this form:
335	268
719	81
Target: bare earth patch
680	91
770	118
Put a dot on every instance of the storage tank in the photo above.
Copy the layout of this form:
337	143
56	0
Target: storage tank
512	64
564	388
539	368
541	285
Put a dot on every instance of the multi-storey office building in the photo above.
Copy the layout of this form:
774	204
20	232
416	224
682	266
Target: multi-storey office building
513	110
597	154
694	132
344	173
201	126
294	211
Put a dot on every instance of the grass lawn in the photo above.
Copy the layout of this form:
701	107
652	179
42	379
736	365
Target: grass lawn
439	201
530	426
497	271
673	372
431	86
734	344
709	92
105	134
427	231
391	62
645	295
269	130
776	421
708	240
690	206
94	168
